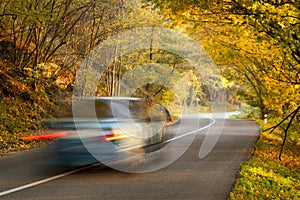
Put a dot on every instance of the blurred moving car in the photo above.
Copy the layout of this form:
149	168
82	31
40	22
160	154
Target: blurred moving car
106	130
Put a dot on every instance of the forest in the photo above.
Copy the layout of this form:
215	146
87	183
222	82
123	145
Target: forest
254	44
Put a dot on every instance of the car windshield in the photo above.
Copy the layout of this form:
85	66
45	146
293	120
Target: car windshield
108	108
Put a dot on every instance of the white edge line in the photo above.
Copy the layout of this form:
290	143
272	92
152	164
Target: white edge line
192	132
23	187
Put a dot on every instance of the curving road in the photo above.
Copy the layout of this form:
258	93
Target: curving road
24	175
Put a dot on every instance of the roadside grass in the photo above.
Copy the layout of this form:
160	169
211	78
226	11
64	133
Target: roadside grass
264	176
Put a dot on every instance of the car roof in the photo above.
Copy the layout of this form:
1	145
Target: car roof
113	98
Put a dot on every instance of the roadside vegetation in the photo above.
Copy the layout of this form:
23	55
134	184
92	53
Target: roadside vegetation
273	171
265	176
15	124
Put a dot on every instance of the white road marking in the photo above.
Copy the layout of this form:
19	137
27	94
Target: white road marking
192	132
23	187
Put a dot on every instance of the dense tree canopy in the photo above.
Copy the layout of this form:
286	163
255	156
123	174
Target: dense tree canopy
255	43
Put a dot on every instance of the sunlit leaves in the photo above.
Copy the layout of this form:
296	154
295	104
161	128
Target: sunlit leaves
255	43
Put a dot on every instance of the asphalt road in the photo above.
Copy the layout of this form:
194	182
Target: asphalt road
189	177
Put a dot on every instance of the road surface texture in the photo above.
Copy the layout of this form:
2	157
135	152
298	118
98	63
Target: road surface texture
188	178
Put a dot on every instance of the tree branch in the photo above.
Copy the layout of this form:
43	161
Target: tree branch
286	131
